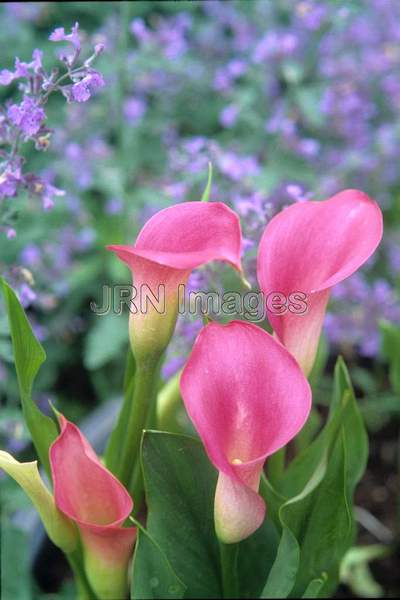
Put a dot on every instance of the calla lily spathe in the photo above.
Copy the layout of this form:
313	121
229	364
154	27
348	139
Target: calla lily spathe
172	243
88	494
308	248
247	398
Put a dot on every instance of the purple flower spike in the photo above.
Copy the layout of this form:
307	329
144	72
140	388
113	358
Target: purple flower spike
6	77
22	69
82	91
9	181
59	35
28	116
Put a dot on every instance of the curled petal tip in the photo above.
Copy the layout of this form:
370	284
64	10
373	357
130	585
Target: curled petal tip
60	529
238	510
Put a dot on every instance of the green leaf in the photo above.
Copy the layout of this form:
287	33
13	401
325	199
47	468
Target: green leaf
28	356
180	484
391	351
314	587
14	562
256	557
206	194
283	574
319	484
320	361
330	525
114	447
355	435
304	466
152	574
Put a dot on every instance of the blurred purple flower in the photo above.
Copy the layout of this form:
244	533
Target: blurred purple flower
11	233
226	75
394	257
172	366
9	181
297	192
26	295
114	206
140	31
237	167
312	14
6	77
31	256
25	11
275	44
134	109
229	115
176	191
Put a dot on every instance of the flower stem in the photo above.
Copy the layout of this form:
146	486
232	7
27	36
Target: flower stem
229	558
168	401
276	467
144	394
84	589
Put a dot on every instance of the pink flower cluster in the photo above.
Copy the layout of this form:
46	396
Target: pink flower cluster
246	391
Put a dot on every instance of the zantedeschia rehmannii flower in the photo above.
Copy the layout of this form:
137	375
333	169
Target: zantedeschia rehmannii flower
87	493
308	248
173	242
247	398
60	529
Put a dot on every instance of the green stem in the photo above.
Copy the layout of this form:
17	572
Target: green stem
229	558
276	467
84	588
144	394
168	400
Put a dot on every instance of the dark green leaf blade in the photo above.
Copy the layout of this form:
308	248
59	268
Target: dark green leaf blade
180	483
115	442
283	574
28	356
328	530
320	484
152	574
314	587
391	351
256	557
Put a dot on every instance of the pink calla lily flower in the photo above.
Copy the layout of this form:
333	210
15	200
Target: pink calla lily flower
87	493
172	243
308	248
247	398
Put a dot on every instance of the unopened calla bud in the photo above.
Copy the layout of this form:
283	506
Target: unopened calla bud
88	494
